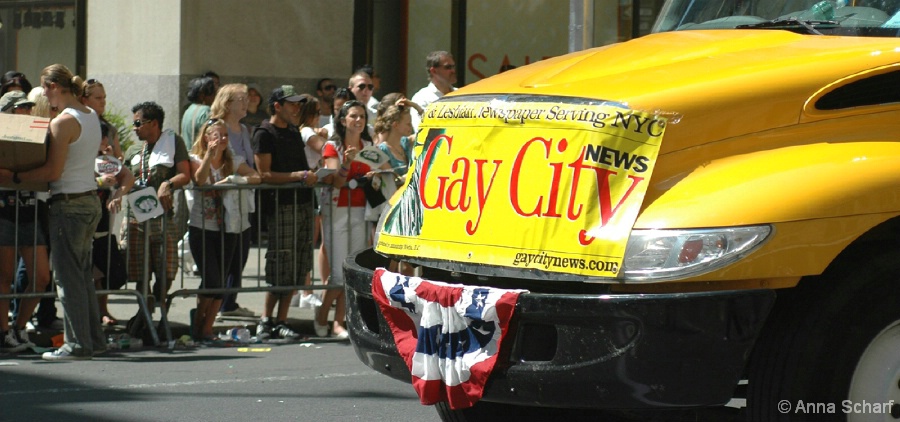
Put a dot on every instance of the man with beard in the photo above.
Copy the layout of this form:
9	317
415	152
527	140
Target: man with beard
325	93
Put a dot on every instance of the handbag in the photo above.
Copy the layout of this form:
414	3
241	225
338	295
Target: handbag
374	197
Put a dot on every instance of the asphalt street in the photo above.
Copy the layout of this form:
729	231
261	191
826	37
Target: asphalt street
312	379
303	381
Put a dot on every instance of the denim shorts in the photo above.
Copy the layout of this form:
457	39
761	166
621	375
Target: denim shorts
25	232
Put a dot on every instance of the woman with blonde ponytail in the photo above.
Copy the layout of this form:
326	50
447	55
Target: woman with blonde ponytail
74	211
214	212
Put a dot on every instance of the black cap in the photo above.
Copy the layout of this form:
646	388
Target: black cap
285	93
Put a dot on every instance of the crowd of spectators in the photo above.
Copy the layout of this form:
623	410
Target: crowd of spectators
229	134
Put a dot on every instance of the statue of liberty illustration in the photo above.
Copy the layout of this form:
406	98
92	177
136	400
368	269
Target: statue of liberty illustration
406	218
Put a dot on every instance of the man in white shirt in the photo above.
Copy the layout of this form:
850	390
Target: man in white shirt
441	70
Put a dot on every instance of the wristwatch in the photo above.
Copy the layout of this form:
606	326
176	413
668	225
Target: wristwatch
16	179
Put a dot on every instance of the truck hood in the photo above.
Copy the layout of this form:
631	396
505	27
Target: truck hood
743	144
713	85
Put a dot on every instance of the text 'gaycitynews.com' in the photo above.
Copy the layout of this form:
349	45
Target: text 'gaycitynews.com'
846	407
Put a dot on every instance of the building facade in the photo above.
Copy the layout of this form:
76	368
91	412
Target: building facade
151	50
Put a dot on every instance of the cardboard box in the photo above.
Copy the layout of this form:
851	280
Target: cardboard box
23	146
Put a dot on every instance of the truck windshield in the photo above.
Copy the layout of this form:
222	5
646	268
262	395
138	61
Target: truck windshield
876	18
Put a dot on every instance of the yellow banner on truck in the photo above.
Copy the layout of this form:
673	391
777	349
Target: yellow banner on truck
554	186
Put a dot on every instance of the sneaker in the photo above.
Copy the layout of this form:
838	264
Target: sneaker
321	330
60	354
10	343
22	335
283	331
264	329
239	312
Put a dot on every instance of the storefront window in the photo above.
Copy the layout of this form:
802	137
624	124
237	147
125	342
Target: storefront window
35	34
505	33
631	19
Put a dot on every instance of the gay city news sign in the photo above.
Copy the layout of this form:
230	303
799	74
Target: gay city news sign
554	186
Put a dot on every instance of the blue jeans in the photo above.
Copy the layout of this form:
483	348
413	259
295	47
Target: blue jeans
46	311
235	273
72	226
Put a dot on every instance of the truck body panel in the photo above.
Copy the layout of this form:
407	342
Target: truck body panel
780	120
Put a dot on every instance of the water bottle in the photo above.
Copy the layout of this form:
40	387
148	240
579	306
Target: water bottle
124	341
239	334
112	342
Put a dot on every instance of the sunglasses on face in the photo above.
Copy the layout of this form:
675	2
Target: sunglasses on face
448	66
361	87
140	122
329	87
24	106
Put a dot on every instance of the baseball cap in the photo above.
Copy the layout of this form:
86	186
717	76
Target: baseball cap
12	99
284	93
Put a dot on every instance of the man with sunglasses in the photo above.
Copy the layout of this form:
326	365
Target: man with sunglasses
361	86
159	161
15	102
441	70
325	93
373	102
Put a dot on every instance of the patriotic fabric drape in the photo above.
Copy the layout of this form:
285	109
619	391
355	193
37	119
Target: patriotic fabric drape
448	334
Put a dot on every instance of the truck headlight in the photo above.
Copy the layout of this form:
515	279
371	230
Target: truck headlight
657	255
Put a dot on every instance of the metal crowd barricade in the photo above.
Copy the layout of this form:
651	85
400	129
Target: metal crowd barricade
184	290
31	290
143	290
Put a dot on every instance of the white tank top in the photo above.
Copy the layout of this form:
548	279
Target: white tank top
78	171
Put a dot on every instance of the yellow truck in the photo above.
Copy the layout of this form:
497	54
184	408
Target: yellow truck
704	215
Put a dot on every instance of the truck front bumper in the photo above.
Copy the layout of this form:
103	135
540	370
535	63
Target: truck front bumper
623	351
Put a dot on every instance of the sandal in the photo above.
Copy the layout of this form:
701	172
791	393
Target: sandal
109	320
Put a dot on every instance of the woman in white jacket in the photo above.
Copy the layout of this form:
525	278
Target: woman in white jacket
214	212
